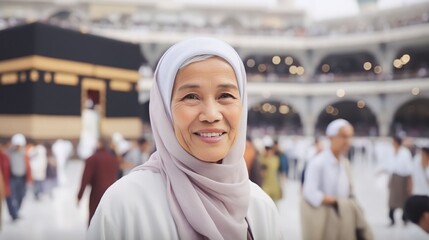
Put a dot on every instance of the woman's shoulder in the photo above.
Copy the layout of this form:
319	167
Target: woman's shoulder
259	199
136	186
263	216
134	207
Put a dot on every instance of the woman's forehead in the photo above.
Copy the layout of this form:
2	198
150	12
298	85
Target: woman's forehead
214	67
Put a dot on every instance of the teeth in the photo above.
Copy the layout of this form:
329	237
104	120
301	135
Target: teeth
210	134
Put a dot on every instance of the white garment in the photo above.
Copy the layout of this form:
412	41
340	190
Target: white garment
400	162
420	177
412	231
136	207
38	162
62	150
325	175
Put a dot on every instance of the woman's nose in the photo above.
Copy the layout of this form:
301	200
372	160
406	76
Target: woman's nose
210	112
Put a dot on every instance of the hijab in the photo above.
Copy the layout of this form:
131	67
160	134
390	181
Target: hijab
206	200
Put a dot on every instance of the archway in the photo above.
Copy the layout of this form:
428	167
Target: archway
275	116
356	112
352	66
412	118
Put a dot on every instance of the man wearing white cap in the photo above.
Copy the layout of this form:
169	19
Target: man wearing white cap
329	210
20	173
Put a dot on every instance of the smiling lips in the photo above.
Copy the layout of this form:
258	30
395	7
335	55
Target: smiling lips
210	136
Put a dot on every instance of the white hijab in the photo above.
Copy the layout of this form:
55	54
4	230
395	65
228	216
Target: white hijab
207	200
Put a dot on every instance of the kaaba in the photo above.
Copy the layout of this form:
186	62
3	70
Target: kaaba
48	74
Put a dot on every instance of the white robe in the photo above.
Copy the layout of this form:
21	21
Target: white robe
420	177
136	207
325	175
38	162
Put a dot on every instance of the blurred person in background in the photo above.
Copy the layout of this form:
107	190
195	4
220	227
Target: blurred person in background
145	149
38	165
130	159
101	171
135	156
62	150
20	174
51	171
284	162
399	166
2	195
417	210
420	174
329	210
253	166
313	151
90	130
195	186
270	162
121	147
4	176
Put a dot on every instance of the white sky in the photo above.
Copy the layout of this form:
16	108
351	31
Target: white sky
316	9
324	9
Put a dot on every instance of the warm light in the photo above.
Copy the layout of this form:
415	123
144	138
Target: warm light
48	77
361	104
22	76
293	69
415	91
326	68
405	59
288	60
34	75
284	109
329	109
262	68
378	69
300	70
273	109
335	113
341	93
276	60
367	66
397	63
266	107
250	63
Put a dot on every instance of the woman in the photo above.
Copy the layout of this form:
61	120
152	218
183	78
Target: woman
195	186
271	181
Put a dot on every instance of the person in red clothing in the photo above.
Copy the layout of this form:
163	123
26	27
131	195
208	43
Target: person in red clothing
100	172
4	176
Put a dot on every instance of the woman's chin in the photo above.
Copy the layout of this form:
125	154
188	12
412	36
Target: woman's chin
212	159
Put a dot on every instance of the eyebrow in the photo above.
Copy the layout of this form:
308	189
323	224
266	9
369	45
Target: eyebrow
194	86
188	86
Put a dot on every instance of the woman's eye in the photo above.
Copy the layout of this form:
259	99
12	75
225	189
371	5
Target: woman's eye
226	95
191	97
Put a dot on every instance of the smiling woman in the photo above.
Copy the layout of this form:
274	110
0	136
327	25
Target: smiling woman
206	112
195	186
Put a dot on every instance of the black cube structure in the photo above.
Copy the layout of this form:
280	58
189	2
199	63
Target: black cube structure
48	74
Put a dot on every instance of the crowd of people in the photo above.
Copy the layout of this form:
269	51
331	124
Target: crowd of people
26	162
40	167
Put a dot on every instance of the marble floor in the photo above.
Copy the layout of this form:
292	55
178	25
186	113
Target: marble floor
60	217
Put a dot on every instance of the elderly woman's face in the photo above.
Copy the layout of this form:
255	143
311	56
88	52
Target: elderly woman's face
206	109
